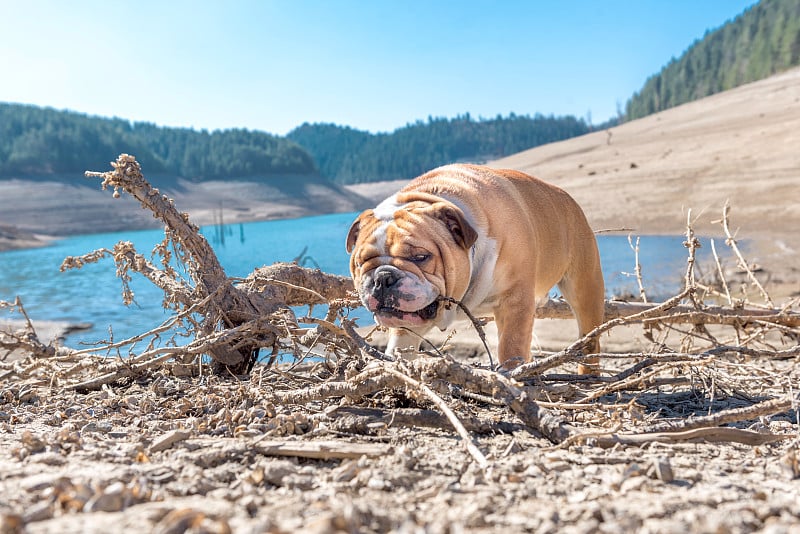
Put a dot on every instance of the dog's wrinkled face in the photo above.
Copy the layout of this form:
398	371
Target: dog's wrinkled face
408	252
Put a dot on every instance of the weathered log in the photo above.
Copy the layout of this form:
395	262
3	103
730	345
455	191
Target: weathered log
731	316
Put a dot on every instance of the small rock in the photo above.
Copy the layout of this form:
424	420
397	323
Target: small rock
89	427
663	469
346	472
32	442
106	502
169	439
179	520
276	471
11	523
790	465
378	483
38	512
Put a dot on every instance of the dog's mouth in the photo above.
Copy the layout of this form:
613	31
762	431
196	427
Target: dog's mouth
426	313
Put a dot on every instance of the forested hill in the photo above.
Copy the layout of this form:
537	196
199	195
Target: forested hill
37	141
760	42
346	155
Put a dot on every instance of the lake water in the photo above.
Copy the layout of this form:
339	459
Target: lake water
93	293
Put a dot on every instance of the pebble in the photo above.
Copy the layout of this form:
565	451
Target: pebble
169	439
663	469
38	512
276	471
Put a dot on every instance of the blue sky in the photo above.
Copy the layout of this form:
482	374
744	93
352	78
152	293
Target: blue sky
371	64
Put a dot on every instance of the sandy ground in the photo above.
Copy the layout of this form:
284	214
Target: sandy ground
166	453
739	146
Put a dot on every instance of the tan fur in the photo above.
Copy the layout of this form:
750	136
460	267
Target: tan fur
539	233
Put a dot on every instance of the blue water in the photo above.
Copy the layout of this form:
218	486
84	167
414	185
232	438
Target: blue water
93	293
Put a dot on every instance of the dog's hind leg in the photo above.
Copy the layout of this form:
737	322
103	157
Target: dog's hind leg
584	290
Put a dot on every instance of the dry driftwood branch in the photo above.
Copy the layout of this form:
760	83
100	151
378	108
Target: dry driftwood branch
734	415
638	267
360	420
679	314
322	450
24	339
383	375
713	434
377	379
265	292
477	324
466	438
295	286
670	311
721	274
232	307
574	351
705	428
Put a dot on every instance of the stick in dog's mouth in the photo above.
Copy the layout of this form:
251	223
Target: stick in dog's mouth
426	313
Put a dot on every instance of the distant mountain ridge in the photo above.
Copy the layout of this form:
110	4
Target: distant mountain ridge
348	156
762	41
36	141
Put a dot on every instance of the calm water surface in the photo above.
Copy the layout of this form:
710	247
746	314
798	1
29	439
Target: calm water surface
93	293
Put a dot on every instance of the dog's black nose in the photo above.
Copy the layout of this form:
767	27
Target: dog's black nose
385	277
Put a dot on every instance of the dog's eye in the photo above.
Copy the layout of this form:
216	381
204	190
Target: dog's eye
420	258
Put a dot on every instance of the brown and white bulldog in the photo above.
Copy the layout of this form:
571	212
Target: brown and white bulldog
496	240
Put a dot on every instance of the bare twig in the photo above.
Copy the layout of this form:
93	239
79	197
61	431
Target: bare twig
638	268
769	407
731	242
477	324
721	274
573	352
473	450
706	434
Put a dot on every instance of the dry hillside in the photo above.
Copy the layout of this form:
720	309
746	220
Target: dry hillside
740	145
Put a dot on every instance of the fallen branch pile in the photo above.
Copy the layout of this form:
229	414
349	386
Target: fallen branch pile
709	365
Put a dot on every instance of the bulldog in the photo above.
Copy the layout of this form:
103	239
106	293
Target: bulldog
496	240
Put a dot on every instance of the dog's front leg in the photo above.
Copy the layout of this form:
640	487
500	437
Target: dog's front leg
514	318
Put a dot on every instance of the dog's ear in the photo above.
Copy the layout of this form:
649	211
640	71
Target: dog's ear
352	235
454	220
